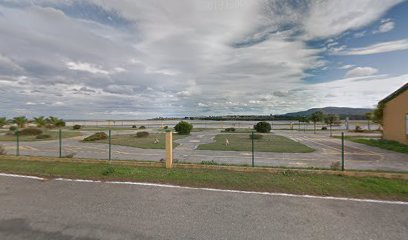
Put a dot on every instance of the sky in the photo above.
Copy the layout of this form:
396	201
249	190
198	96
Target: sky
123	59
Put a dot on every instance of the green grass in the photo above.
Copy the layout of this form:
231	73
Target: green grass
384	144
268	143
131	140
288	182
52	133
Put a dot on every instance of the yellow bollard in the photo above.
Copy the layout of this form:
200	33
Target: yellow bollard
169	149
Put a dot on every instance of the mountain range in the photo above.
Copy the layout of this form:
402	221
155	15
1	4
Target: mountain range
342	111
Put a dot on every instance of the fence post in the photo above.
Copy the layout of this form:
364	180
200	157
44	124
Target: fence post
18	142
110	145
342	151
253	157
169	149
60	142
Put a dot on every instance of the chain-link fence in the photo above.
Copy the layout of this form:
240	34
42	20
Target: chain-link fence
288	144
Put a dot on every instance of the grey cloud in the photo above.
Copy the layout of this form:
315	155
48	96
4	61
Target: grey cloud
154	58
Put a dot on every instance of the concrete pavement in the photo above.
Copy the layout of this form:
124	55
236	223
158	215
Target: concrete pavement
60	210
328	150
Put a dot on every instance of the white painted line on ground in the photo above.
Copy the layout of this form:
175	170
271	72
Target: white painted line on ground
21	176
212	189
237	191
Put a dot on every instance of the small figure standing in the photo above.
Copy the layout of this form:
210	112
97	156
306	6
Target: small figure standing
227	142
156	141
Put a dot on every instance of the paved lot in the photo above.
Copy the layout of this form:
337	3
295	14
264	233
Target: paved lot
328	150
59	210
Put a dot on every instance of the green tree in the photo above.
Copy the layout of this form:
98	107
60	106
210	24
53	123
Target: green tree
263	127
316	117
20	121
183	128
40	121
369	117
331	119
3	121
378	113
304	120
55	122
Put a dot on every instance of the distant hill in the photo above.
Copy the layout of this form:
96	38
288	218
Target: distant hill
342	111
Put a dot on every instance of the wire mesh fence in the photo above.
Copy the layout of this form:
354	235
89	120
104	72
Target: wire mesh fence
212	143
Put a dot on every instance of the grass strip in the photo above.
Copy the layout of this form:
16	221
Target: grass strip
286	181
268	143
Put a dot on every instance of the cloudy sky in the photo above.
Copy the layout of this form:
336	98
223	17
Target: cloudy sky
135	59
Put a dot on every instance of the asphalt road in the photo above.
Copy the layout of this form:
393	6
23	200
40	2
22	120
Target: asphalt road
61	210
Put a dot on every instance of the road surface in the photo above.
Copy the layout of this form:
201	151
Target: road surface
62	210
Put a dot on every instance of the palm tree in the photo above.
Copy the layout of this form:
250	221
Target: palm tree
20	121
56	122
316	117
369	116
330	120
3	121
40	121
304	120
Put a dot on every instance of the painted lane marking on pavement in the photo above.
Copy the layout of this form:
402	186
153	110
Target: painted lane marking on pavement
22	176
212	189
237	191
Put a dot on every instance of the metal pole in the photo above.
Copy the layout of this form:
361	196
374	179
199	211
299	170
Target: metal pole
18	142
110	144
60	142
342	151
253	157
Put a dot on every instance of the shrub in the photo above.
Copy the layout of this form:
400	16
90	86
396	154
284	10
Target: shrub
43	136
358	129
142	134
108	171
76	127
2	150
166	127
30	131
324	128
183	128
255	136
96	136
230	129
134	126
70	155
142	127
263	127
212	162
335	165
13	128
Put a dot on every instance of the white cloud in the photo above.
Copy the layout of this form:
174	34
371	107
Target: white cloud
330	18
169	57
86	67
386	26
359	34
352	92
361	72
383	47
202	104
183	94
347	66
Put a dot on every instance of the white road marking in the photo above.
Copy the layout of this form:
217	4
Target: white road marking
237	191
213	189
21	176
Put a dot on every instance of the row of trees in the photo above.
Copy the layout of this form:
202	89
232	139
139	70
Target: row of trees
42	121
319	116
